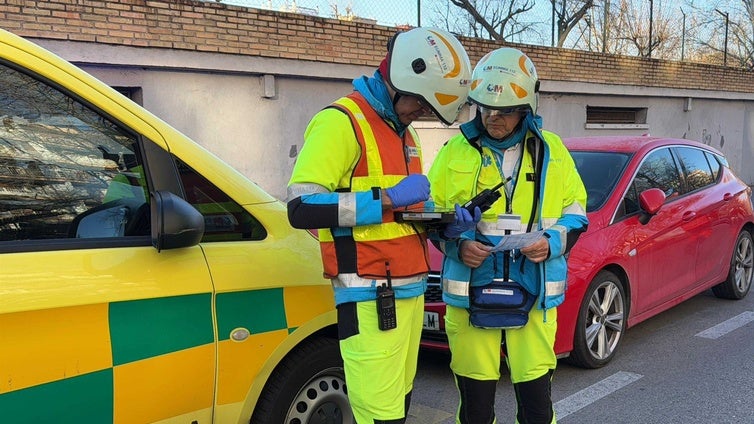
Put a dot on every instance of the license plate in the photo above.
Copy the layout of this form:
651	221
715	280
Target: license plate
431	321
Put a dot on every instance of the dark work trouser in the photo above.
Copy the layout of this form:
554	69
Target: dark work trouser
534	404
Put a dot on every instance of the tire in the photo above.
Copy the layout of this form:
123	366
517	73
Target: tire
308	387
738	282
601	323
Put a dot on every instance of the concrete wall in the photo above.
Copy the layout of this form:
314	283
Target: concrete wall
220	102
244	82
718	121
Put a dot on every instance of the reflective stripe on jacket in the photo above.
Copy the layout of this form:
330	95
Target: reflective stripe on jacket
363	250
462	169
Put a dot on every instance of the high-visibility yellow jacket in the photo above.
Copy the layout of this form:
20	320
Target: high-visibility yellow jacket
464	168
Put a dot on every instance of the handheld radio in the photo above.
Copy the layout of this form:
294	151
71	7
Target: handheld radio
485	199
386	318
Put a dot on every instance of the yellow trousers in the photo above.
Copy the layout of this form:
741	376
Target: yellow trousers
380	366
476	353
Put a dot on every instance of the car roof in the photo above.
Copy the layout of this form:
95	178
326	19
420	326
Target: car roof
627	143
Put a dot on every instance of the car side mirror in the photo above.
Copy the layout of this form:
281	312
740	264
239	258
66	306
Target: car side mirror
175	222
104	221
651	201
117	218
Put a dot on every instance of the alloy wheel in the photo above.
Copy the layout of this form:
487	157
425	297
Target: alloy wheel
744	264
605	320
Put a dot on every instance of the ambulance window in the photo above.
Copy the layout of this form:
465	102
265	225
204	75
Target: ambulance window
66	171
224	219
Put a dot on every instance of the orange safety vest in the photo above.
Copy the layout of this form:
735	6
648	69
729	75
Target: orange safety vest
385	159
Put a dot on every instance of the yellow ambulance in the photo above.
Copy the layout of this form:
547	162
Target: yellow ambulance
143	280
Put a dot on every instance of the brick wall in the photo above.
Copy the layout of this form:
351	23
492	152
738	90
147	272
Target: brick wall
214	27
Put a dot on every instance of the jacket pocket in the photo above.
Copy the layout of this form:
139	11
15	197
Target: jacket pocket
460	180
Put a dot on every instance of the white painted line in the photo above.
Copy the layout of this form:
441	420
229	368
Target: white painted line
423	414
593	393
727	326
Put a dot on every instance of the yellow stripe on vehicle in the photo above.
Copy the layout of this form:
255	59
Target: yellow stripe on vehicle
183	373
241	362
47	345
302	303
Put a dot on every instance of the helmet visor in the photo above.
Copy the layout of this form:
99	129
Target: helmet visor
507	111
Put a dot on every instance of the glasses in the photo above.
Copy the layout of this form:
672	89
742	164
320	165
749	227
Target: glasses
508	111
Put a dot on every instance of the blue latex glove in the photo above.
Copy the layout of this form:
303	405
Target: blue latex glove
464	222
412	189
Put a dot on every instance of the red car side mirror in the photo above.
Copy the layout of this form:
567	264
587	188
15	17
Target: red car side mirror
650	201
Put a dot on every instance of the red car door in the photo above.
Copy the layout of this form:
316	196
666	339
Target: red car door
714	205
665	246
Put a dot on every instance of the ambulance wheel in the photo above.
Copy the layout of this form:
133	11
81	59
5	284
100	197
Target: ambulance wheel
307	387
601	322
738	283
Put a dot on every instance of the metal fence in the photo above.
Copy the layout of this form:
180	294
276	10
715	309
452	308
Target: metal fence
680	29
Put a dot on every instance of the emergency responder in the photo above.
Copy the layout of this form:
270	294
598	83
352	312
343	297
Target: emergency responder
542	191
360	161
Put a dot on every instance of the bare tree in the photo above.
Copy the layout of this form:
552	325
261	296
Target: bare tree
624	29
490	19
740	26
745	35
568	14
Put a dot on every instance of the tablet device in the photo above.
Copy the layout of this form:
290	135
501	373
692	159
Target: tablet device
426	215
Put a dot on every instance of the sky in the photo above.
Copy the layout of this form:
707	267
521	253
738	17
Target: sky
385	12
401	12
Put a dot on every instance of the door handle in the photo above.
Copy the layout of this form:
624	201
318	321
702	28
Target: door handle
688	216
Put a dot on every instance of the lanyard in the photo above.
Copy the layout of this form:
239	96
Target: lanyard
508	188
510	182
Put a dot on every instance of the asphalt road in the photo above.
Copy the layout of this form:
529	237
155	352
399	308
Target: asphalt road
691	364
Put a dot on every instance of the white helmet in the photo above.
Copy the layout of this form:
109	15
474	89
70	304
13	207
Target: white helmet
432	65
505	78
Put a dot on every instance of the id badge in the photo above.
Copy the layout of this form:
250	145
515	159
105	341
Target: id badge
412	152
509	222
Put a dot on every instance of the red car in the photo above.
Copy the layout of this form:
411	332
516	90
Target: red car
668	219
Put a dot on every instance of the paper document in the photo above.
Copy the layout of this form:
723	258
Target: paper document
517	241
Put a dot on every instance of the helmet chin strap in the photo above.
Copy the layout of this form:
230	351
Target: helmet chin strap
394	95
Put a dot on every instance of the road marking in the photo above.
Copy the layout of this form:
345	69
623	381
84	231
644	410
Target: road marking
593	393
727	326
422	414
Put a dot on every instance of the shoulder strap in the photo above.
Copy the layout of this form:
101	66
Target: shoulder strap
534	147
